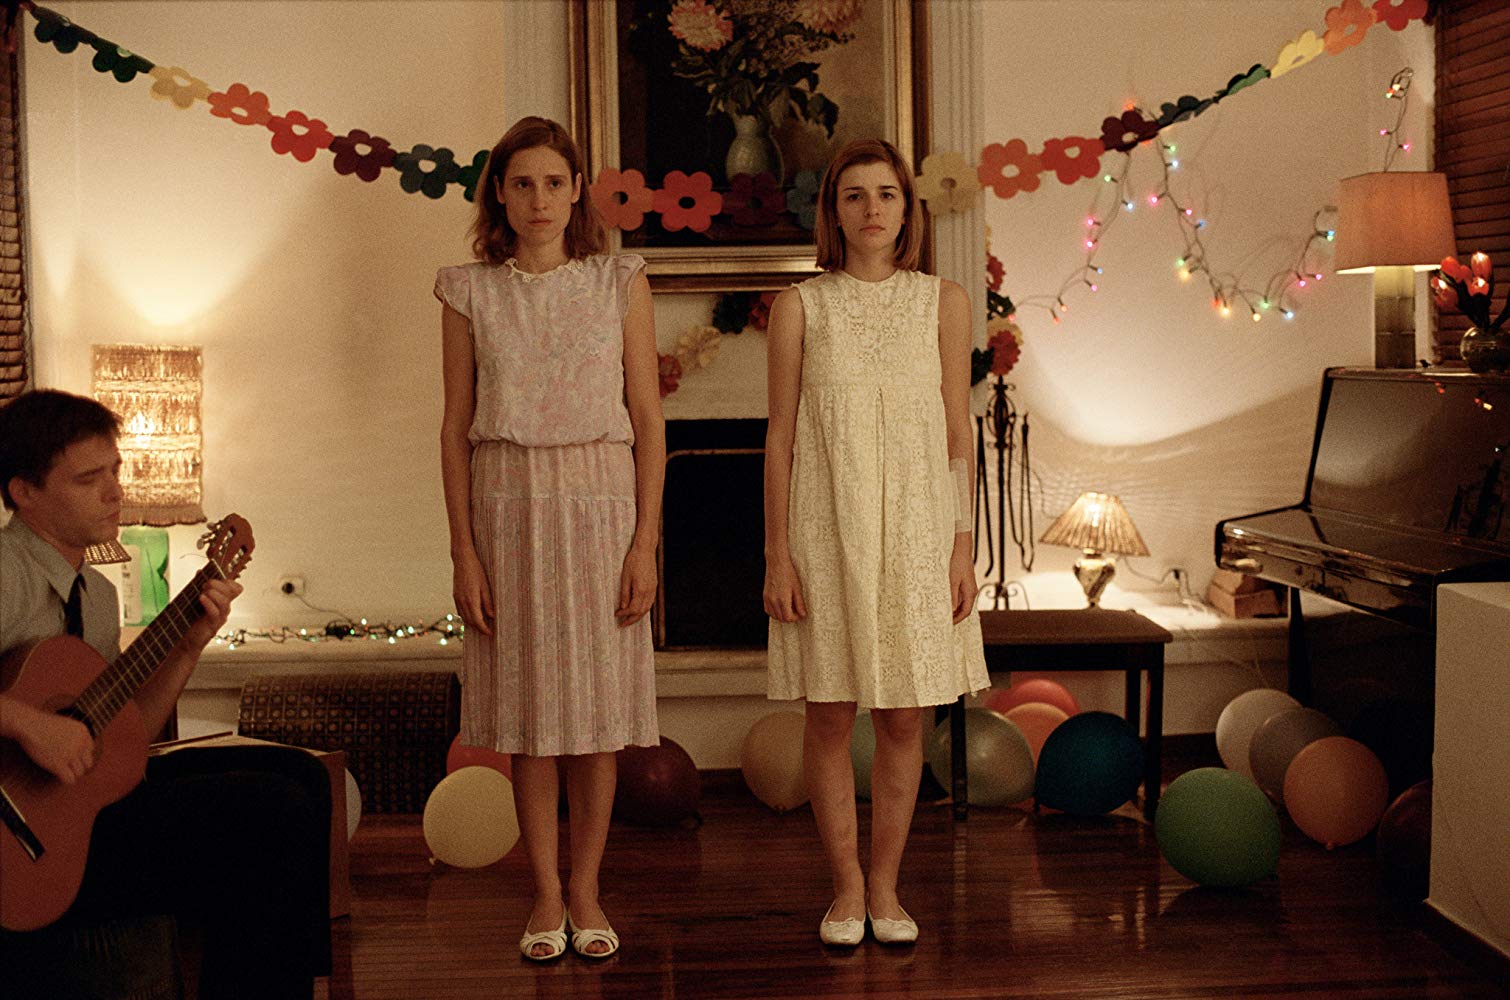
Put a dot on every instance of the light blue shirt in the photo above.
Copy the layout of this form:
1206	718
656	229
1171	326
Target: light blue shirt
35	581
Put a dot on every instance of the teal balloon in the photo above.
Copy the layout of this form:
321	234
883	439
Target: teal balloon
998	760
1216	827
862	752
1089	765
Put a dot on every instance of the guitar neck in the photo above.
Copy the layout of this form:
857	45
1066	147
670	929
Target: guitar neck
118	683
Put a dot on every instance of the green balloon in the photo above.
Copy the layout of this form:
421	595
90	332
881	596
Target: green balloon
1090	764
862	752
998	760
1217	828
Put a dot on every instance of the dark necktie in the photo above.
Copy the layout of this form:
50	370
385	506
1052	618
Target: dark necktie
73	609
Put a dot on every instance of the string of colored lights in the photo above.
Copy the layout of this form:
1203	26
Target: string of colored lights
1399	89
447	628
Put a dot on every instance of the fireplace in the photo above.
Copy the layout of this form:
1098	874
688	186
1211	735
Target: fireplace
712	553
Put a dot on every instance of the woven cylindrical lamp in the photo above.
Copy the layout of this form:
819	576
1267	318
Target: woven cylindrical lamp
1098	524
155	390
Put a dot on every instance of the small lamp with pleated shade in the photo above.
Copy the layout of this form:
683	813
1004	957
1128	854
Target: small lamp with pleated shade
1098	524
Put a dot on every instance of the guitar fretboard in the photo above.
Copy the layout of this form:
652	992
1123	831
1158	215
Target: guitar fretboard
103	699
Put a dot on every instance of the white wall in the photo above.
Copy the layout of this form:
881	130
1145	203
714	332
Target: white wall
310	292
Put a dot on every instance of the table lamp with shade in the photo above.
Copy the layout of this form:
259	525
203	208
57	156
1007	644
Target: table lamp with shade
155	390
1098	524
1391	225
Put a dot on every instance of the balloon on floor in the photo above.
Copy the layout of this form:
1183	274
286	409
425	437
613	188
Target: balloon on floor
1240	720
1089	765
862	752
353	805
998	760
657	786
1036	720
460	756
1336	790
1278	739
1403	845
1036	689
469	818
771	760
1215	827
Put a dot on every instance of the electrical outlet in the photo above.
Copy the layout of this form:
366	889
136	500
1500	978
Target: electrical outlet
293	586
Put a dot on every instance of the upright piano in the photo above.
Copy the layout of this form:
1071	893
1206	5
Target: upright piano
1407	489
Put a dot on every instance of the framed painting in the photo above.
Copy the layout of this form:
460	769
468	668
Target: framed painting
729	110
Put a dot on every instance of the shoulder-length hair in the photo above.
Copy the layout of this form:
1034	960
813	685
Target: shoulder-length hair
830	237
493	239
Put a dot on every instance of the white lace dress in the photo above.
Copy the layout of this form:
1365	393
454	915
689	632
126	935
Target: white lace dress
871	519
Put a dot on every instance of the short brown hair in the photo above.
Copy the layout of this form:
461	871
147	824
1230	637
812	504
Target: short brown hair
827	232
493	239
38	426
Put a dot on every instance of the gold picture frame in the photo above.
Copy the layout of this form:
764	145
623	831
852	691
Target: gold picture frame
898	29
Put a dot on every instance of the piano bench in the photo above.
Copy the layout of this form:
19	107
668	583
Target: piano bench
1075	640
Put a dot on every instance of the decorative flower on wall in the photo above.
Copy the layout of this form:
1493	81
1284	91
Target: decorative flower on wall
1297	53
802	199
754	200
298	135
123	64
1346	25
1399	13
413	176
470	174
241	104
947	183
698	347
1069	167
362	154
1124	132
178	86
995	272
697	189
670	374
1188	106
622	198
1004	341
997	158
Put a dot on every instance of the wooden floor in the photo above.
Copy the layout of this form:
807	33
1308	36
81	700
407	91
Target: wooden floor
1010	905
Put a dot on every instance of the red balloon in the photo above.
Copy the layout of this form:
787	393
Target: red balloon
1038	689
657	786
460	755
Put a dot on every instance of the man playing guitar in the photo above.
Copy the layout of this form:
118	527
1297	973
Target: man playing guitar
231	839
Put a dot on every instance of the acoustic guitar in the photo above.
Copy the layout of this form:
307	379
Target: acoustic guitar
45	825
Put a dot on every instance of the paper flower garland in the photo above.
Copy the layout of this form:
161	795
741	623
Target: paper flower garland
995	160
1346	25
622	197
698	347
1399	13
240	104
432	182
1125	132
1297	53
118	62
470	174
1004	341
178	86
1070	167
947	183
298	135
670	371
362	154
679	188
754	200
802	199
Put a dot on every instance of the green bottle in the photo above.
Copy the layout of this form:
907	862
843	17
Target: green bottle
145	578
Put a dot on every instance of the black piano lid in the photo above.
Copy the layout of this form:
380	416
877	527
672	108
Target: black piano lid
1420	450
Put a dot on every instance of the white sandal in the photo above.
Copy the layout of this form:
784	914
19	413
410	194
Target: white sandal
555	940
904	931
581	937
847	933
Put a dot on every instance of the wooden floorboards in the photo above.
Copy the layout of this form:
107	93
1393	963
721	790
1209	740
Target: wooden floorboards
1010	905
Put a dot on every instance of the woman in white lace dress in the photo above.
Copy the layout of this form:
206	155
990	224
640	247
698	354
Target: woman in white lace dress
870	581
553	453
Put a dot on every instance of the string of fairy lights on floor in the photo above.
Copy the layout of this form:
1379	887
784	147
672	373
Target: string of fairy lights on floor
1115	198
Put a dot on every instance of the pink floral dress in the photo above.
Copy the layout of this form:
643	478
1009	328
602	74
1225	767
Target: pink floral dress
553	510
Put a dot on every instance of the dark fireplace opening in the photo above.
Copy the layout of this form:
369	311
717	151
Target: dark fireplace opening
712	536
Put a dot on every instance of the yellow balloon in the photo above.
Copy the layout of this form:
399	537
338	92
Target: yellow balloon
771	760
469	819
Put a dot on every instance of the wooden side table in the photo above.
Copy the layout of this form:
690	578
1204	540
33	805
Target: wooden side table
1080	639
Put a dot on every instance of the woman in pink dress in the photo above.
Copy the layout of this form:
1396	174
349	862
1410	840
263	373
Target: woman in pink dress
553	454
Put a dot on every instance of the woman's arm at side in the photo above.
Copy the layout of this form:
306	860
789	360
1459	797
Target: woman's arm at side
954	358
470	588
642	391
782	595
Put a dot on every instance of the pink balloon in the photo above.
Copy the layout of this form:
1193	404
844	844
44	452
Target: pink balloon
1036	720
460	755
1038	689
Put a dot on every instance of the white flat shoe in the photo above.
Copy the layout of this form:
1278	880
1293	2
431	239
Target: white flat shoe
847	933
904	931
555	940
581	937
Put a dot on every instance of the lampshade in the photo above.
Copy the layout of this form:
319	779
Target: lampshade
1097	522
155	390
1397	219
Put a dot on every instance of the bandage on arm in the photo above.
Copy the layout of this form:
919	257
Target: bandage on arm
959	468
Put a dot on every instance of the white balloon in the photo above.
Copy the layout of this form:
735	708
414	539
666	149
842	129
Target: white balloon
1240	720
353	805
